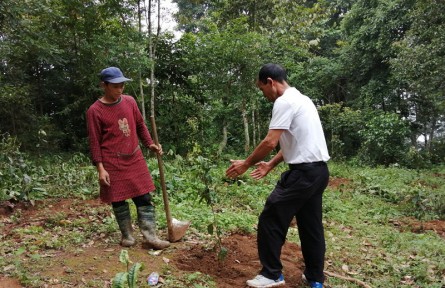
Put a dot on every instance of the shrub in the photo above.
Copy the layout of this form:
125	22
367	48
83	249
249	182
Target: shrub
384	140
14	178
341	126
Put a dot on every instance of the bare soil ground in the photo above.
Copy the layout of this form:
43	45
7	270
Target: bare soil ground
97	261
241	262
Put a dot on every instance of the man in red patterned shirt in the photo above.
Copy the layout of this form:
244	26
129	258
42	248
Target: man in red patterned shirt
115	127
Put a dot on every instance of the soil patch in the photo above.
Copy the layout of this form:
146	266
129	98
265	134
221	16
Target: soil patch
416	226
6	282
336	182
241	262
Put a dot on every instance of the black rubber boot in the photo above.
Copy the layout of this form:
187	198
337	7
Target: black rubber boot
147	224
123	218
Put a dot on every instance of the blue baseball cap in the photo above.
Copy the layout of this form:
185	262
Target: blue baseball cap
113	75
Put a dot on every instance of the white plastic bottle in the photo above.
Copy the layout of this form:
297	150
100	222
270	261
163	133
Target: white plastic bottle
153	279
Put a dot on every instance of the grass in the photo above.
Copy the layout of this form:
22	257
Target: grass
362	240
359	215
361	237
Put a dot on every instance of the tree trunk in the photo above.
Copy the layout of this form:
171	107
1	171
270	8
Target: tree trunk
253	128
246	128
258	128
431	134
152	51
141	88
223	143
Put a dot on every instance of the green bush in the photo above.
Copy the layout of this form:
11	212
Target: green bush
15	179
416	159
341	126
25	178
384	140
437	153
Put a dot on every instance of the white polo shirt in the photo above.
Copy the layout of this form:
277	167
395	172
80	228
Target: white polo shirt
303	141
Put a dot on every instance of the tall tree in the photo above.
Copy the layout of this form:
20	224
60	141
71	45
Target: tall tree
229	65
56	49
371	28
419	69
152	45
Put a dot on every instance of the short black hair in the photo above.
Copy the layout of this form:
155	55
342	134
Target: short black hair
274	71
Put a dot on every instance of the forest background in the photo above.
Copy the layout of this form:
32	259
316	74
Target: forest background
375	70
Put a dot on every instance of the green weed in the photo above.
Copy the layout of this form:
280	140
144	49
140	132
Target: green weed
360	217
130	276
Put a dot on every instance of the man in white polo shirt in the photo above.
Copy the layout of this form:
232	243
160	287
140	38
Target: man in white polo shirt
296	126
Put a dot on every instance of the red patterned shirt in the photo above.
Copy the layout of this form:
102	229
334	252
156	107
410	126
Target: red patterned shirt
114	131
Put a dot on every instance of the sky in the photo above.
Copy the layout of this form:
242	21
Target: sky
168	23
167	10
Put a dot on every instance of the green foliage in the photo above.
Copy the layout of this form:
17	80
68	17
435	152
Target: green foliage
384	139
15	171
17	114
364	222
208	194
417	194
376	138
364	55
120	280
419	66
370	28
416	159
128	278
437	152
51	45
25	177
341	126
195	280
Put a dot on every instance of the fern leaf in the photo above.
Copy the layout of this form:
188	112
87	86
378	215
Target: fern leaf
133	275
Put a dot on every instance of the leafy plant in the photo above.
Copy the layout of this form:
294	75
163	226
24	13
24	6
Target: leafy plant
208	194
14	171
384	139
128	278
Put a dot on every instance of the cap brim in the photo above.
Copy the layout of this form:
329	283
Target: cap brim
119	80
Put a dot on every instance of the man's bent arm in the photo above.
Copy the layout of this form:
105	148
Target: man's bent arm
277	159
265	147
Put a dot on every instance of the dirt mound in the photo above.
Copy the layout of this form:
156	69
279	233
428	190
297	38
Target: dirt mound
241	262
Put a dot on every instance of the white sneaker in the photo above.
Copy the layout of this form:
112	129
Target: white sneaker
262	282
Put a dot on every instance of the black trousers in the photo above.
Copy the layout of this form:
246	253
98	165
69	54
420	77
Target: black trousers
298	193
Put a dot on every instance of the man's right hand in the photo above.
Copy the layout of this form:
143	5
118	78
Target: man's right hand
262	169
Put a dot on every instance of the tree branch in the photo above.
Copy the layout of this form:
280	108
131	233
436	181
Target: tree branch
359	282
